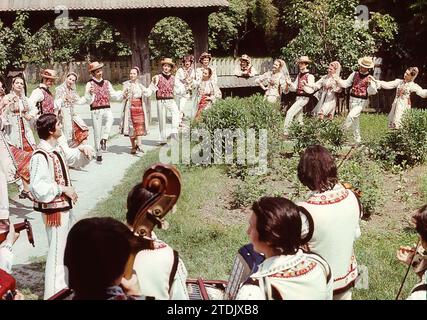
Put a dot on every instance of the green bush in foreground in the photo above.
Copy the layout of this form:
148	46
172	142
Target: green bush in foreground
406	146
313	131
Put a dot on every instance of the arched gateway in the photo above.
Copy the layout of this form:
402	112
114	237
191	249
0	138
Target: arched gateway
134	19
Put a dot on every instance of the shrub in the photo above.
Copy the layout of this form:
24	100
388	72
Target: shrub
406	146
249	191
248	113
313	131
364	175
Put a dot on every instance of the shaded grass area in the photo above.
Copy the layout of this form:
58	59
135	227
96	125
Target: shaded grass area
376	249
206	245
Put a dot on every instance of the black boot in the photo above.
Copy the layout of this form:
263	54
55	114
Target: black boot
103	144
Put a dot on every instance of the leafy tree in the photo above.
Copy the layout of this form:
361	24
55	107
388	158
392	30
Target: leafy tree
328	31
170	37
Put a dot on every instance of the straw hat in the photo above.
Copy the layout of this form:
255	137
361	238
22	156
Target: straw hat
366	62
304	59
48	74
205	55
168	61
246	58
95	66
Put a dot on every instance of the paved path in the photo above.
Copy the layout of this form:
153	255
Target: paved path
93	183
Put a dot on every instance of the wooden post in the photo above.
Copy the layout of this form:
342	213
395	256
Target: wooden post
199	26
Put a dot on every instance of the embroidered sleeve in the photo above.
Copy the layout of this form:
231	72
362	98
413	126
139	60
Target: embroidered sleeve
310	83
346	83
73	156
115	95
6	257
35	97
372	88
419	91
42	185
147	91
388	84
89	97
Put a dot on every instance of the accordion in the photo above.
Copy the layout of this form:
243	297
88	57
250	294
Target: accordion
245	264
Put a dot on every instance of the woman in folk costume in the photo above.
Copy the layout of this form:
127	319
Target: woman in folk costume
208	92
327	94
133	117
41	98
66	97
402	101
161	272
417	256
273	82
361	88
303	86
18	114
185	79
205	62
288	272
336	212
245	68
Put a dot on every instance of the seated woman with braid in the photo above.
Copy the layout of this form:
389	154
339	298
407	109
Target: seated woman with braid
288	272
160	271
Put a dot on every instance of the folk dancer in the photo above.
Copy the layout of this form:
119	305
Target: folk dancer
66	97
133	122
361	88
326	91
18	114
41	97
402	101
273	82
336	212
185	77
54	195
245	68
165	86
205	60
160	271
98	93
288	272
303	86
208	92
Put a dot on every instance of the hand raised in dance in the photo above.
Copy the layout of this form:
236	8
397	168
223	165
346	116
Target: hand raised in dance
87	151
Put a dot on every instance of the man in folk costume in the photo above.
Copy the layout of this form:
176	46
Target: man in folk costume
99	92
361	87
54	195
164	85
185	78
245	68
41	97
303	86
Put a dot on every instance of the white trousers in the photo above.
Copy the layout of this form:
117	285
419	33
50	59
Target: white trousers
295	111
162	107
4	199
67	123
352	120
346	295
55	274
186	106
102	123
